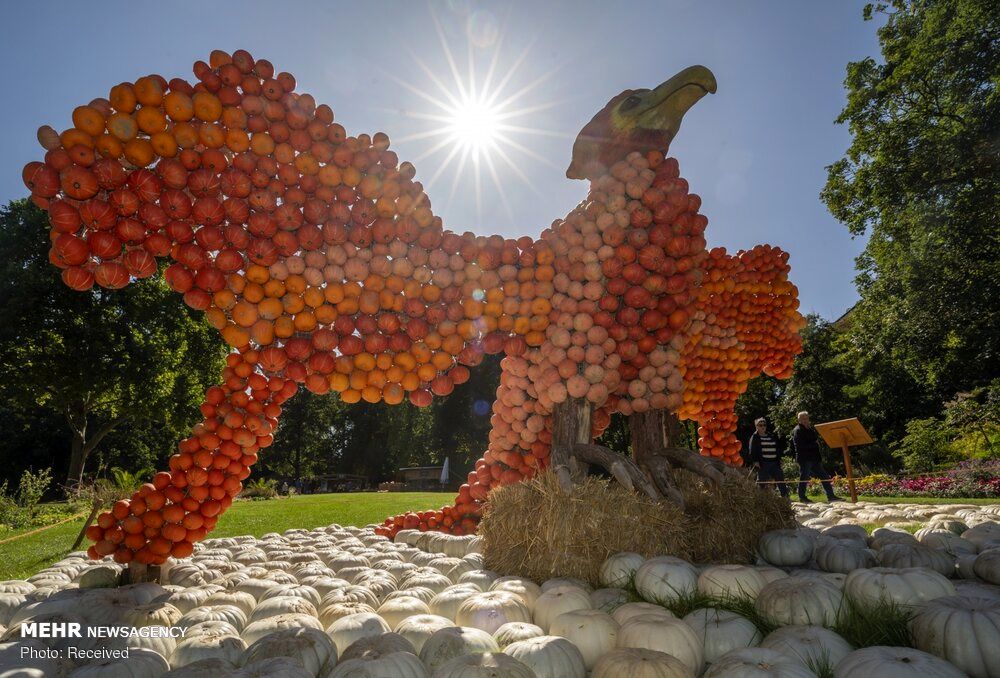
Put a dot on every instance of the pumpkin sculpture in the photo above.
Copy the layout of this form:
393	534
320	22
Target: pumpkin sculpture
319	259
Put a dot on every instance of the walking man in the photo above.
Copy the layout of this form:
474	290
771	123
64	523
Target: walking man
806	442
765	454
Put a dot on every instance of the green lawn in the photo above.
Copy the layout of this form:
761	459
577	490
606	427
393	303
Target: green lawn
818	497
24	557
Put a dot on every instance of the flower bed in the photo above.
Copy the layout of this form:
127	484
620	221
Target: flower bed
973	479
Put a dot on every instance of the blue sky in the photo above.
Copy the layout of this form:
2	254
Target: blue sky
755	151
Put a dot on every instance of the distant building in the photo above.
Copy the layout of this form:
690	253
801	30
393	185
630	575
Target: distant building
421	477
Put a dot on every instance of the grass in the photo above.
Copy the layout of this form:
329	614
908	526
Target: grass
885	623
23	557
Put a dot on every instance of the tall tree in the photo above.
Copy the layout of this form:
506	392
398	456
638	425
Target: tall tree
100	360
922	179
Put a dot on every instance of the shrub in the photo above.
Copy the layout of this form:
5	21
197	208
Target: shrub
926	445
260	488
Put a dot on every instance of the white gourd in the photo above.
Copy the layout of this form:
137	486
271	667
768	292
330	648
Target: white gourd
608	600
334	611
309	647
455	641
511	632
484	665
963	630
987	566
491	610
276	667
786	548
140	663
632	662
905	555
395	610
392	665
592	631
353	627
525	588
838	556
758	662
418	628
730	582
663	634
549	657
628	610
557	601
446	603
811	645
721	631
226	613
618	570
902	586
222	646
894	662
254	631
665	579
800	600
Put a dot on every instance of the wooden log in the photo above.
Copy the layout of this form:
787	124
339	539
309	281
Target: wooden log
137	573
570	426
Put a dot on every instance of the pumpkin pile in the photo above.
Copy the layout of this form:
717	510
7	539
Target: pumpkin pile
318	258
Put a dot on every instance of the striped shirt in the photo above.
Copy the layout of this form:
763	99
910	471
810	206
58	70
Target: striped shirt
768	447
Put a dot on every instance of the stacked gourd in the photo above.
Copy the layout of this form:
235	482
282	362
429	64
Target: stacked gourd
318	258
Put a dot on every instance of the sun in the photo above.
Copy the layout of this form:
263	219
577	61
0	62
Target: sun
474	124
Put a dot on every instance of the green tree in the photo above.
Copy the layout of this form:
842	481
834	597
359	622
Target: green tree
922	180
102	360
926	445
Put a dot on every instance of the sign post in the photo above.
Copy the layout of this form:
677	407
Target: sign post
845	434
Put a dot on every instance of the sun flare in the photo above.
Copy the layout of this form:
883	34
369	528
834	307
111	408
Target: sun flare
475	124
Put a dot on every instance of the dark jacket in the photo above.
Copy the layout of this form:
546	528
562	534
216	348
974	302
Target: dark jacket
806	443
755	448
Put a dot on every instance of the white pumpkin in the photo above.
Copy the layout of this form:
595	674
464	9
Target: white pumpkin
395	610
628	610
608	600
491	610
633	662
294	591
665	579
159	641
153	614
549	657
663	634
455	641
884	536
964	631
730	582
348	629
770	573
902	586
240	599
447	602
983	533
592	631
254	631
418	628
511	632
847	532
945	540
786	548
814	646
904	555
800	600
619	570
140	663
99	577
894	662
527	589
392	665
559	582
350	594
840	556
422	594
484	665
481	578
222	646
757	662
309	647
276	667
987	566
557	601
16	586
9	604
257	587
333	612
382	644
721	631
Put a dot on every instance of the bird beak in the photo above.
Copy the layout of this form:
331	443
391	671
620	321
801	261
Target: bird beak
664	107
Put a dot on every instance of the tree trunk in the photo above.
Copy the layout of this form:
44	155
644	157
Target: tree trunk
82	446
570	426
77	458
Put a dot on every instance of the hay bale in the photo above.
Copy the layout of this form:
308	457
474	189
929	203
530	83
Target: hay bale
726	521
533	529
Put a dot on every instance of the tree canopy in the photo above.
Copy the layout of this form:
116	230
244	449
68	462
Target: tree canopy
134	360
922	180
